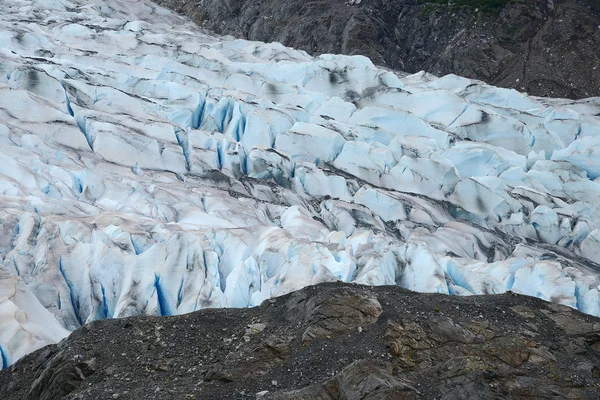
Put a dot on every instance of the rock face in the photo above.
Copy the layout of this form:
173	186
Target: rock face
543	47
330	341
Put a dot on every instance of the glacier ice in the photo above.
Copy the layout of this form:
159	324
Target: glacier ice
148	167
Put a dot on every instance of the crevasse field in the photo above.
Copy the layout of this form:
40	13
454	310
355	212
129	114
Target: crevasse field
147	167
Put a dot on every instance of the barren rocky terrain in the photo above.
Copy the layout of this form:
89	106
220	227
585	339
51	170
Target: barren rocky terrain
329	341
543	47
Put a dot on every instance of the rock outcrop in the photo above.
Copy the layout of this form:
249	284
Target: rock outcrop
330	341
543	47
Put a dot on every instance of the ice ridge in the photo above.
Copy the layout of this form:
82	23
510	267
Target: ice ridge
151	168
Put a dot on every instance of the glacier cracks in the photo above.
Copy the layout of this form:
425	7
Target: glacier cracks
150	168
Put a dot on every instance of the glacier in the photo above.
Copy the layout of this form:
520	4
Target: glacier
149	167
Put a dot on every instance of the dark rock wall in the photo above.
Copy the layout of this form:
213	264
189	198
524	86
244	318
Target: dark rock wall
543	47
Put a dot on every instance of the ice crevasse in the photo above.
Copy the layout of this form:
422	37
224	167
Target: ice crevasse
148	167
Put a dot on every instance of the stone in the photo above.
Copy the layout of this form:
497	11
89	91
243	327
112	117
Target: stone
543	51
479	347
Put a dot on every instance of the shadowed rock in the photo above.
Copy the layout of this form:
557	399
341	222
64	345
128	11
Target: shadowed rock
543	47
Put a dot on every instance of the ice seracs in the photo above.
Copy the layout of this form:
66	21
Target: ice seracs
151	168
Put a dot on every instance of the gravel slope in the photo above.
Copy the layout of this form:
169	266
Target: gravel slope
330	341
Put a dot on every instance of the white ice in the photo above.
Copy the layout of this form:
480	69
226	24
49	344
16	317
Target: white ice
148	167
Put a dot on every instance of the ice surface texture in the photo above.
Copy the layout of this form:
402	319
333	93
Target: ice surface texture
147	167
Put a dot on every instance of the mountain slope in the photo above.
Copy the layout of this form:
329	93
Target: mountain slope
543	47
330	341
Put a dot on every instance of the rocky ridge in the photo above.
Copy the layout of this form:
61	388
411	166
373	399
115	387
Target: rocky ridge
543	47
329	341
